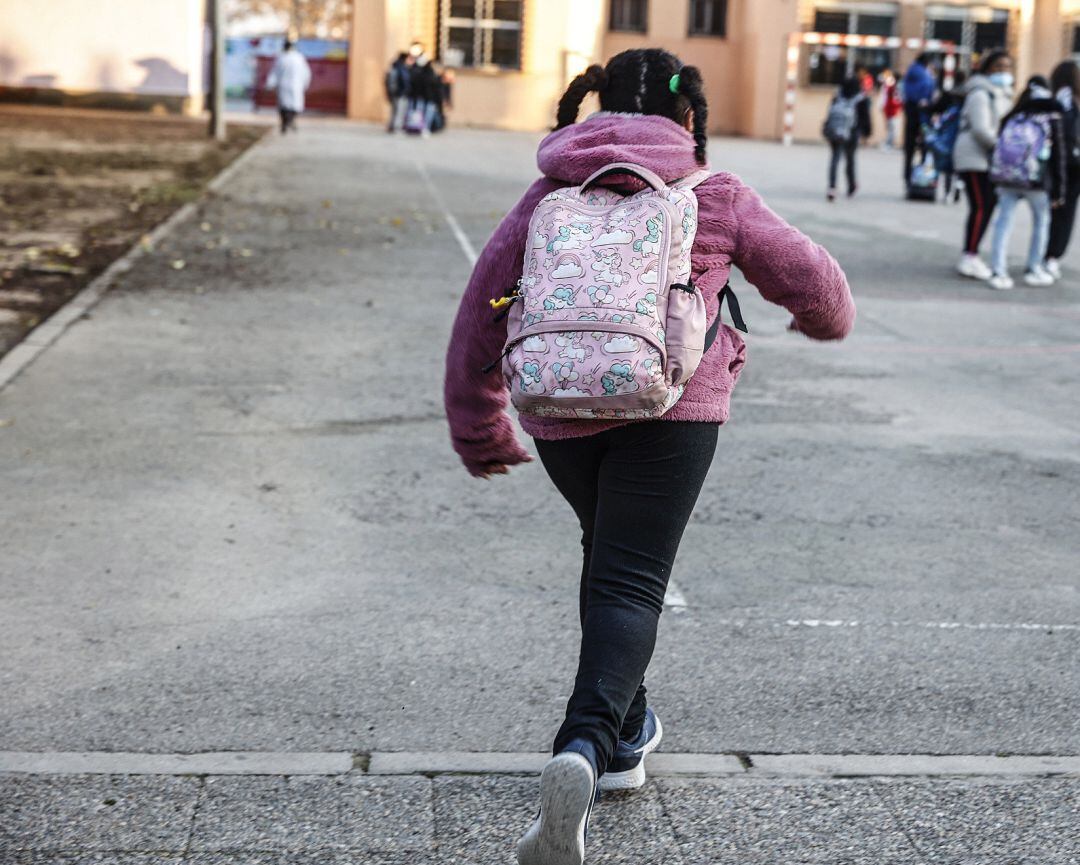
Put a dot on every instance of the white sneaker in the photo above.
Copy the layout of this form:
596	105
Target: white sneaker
567	790
973	267
1038	278
1000	281
1053	267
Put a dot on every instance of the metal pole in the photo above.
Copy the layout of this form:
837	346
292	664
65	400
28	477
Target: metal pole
217	70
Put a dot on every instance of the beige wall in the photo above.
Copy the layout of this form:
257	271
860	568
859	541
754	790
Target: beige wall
744	72
148	49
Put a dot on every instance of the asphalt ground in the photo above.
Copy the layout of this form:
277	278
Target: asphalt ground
232	522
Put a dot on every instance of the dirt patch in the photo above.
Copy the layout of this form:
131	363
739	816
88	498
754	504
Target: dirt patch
78	188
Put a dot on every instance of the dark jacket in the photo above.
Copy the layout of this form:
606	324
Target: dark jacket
1070	123
397	80
948	99
424	83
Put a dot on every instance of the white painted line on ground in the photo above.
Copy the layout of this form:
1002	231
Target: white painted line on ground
209	763
674	597
451	220
412	763
842	624
45	334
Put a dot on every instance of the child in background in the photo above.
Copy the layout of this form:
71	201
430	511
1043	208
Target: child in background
847	121
892	106
1028	163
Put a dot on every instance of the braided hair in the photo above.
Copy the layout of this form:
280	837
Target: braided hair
639	82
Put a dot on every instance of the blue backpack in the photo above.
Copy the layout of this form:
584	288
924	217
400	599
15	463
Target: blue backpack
941	138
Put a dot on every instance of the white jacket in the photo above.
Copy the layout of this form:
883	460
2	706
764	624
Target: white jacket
291	76
980	118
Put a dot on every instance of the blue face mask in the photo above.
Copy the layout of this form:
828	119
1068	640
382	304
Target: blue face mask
1004	80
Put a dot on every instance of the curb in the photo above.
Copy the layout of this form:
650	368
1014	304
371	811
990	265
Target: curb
387	764
50	330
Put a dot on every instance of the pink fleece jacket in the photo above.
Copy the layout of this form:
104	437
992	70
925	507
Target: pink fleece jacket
735	228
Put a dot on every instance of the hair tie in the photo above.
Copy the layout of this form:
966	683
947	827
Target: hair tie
673	84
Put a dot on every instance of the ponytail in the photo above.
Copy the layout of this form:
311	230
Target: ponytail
592	80
692	87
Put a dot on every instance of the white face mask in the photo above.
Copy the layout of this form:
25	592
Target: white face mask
1004	80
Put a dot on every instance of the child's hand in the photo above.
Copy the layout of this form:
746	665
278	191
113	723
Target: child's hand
490	469
1054	205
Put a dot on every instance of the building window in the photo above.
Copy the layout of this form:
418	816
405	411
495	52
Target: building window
629	15
831	64
974	30
708	17
480	33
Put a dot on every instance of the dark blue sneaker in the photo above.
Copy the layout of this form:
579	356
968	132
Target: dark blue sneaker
626	771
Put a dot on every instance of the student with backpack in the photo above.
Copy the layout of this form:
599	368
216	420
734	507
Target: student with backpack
397	82
987	98
1029	164
1065	84
598	300
943	130
847	120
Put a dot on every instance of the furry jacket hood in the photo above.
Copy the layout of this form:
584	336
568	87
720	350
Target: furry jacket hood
735	228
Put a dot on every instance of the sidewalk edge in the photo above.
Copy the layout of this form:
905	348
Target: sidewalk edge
30	348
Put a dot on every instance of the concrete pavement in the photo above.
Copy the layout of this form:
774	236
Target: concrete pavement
221	531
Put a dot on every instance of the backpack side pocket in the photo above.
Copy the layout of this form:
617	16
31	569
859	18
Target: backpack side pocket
685	332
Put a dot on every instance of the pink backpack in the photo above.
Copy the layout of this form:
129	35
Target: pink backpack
606	322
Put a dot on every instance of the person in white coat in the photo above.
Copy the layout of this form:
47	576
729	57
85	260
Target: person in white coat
291	76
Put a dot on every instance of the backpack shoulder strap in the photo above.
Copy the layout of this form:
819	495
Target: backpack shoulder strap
692	180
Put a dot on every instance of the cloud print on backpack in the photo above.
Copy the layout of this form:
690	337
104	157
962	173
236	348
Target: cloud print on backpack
567	266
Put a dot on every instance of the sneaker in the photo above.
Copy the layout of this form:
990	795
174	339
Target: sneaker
830	195
626	771
973	267
1000	282
567	793
851	191
1038	278
1053	267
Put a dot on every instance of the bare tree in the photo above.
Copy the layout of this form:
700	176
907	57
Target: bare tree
304	17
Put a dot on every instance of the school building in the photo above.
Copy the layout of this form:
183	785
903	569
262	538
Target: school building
514	58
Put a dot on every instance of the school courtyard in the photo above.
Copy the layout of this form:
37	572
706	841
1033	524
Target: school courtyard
254	611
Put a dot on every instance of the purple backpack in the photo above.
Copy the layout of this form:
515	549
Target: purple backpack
1022	152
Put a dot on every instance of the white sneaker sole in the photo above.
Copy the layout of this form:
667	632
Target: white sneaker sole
633	778
566	796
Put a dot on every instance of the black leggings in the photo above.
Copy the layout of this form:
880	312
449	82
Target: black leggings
288	119
633	489
1062	219
982	199
845	149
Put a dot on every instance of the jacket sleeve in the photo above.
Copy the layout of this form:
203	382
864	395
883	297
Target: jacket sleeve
480	429
980	119
1058	159
866	127
791	270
